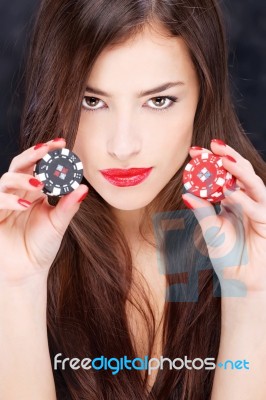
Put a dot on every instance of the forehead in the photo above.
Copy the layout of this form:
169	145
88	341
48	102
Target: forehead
149	56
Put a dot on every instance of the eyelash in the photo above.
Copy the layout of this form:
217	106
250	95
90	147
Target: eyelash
172	98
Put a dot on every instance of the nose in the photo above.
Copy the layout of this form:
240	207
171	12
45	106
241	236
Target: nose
124	142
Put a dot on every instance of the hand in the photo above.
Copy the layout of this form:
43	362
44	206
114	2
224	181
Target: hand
31	231
236	237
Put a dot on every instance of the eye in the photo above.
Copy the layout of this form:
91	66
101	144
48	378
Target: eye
88	103
161	101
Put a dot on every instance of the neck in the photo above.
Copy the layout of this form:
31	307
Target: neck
129	222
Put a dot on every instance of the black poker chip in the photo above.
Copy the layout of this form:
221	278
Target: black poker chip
60	170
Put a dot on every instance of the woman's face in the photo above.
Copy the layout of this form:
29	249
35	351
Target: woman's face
123	128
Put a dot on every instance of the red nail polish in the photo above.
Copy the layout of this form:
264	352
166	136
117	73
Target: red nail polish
24	203
196	148
230	158
58	139
34	182
218	141
231	184
39	145
186	202
82	197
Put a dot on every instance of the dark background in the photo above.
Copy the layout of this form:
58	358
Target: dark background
246	27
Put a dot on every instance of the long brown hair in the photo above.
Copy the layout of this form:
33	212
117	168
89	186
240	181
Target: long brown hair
91	277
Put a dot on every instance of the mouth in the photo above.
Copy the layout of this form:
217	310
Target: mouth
126	177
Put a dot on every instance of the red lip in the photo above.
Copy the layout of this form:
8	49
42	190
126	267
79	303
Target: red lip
126	177
124	173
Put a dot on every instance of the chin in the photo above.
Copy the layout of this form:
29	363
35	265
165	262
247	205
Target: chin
128	203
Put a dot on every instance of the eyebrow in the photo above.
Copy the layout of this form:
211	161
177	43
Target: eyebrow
160	88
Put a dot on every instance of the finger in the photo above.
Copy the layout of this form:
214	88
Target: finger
219	148
14	180
253	184
222	149
240	184
196	151
203	211
13	202
241	204
61	215
219	230
25	161
242	169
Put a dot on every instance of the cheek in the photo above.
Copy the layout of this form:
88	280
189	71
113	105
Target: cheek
184	124
81	148
173	132
175	141
84	136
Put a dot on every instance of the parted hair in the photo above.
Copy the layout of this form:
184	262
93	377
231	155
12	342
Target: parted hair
90	281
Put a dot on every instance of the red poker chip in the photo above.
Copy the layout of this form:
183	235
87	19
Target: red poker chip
205	177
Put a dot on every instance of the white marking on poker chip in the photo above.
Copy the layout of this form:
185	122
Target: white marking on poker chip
203	193
79	165
217	194
65	151
220	181
219	162
188	185
42	177
56	191
204	156
188	167
75	185
46	157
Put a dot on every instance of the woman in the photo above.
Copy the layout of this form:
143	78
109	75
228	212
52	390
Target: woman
98	74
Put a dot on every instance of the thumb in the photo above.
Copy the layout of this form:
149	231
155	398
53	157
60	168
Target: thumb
66	208
206	216
222	233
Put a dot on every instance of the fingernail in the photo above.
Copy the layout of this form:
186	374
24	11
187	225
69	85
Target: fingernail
24	203
196	148
231	184
218	141
230	158
186	202
39	145
82	197
58	139
34	182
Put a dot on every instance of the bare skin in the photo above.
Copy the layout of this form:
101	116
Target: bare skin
125	131
122	130
25	231
128	131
